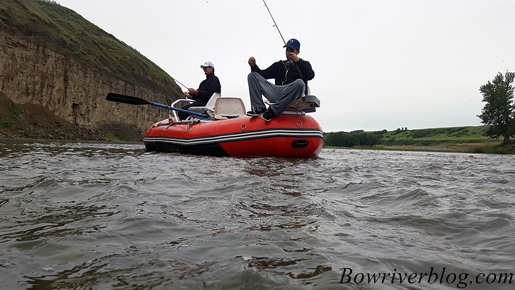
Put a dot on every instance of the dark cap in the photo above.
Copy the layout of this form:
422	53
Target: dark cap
293	44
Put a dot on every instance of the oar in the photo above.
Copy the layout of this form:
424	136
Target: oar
138	101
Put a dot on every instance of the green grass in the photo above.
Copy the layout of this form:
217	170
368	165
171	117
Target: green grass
23	132
8	120
452	139
434	136
112	137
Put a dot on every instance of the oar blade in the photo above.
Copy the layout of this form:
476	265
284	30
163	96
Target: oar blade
113	97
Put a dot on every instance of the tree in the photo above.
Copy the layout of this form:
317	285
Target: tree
499	111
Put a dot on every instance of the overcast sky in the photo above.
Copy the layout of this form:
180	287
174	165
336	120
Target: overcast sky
379	64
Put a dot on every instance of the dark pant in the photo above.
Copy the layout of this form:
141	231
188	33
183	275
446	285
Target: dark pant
183	116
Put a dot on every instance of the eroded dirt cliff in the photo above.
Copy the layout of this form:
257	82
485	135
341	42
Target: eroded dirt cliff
37	74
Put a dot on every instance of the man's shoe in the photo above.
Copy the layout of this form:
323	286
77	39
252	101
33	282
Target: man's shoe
256	112
268	115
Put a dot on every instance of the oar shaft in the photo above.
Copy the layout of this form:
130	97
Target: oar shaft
178	110
113	97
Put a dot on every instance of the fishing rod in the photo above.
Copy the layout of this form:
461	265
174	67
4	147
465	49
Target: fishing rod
275	24
179	83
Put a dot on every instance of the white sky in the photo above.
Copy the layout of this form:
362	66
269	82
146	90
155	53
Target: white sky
379	64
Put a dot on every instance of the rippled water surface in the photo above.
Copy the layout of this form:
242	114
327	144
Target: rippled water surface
111	216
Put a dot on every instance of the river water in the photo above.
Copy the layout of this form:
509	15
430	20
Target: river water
112	216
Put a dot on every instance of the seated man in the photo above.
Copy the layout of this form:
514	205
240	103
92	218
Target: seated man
206	89
291	79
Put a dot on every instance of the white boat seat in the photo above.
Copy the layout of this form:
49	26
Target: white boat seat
210	105
229	107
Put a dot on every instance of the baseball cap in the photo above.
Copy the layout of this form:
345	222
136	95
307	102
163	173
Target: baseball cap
207	63
293	44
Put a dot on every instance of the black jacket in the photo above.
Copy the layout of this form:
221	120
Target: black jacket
207	88
285	72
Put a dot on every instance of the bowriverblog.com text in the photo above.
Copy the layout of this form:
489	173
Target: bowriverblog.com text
461	280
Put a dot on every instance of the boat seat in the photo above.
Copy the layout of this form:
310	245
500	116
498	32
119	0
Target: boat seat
210	105
307	104
229	107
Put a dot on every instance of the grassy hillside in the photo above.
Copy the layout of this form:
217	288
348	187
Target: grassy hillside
434	136
51	24
452	139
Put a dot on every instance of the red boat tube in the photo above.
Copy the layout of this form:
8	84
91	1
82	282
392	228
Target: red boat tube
290	136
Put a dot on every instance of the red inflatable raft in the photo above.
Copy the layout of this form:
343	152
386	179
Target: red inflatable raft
221	128
284	136
229	132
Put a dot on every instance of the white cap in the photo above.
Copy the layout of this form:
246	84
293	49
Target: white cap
207	63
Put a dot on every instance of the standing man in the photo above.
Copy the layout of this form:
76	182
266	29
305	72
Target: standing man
206	89
291	79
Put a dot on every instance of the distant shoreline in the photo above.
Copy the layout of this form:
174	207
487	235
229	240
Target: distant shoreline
481	148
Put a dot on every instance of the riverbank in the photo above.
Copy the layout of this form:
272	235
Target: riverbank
32	121
483	147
